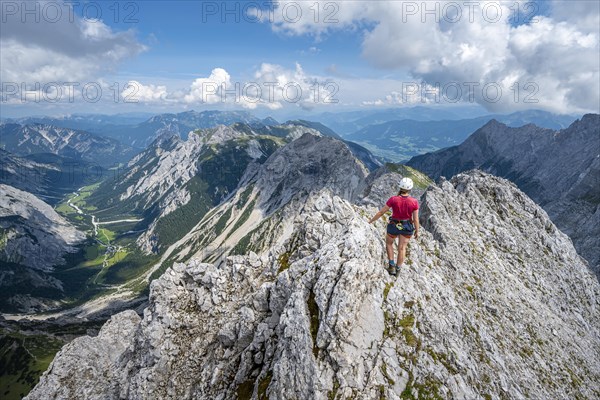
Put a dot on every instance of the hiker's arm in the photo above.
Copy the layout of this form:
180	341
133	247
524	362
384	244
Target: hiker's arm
415	218
383	210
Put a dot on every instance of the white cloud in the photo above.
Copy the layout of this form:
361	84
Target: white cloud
135	92
65	50
378	102
209	90
272	86
281	85
553	60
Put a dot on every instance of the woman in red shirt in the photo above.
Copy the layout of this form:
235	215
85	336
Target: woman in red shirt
403	224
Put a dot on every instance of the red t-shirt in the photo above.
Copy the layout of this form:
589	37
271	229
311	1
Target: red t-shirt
402	207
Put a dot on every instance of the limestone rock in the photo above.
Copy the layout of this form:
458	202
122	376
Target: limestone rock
494	302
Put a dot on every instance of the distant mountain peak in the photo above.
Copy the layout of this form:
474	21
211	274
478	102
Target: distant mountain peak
494	124
558	169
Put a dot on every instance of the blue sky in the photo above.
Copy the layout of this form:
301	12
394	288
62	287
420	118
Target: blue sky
185	39
377	54
185	32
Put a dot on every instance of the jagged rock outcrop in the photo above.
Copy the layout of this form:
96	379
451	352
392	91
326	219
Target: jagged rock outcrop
309	163
364	155
494	303
560	170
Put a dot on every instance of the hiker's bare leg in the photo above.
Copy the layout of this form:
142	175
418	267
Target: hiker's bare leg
402	249
389	246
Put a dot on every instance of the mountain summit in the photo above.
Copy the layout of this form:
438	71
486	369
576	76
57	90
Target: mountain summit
494	303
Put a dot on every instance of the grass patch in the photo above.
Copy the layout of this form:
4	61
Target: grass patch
429	389
23	359
407	393
220	225
131	266
263	385
410	337
284	261
65	209
245	215
388	323
117	257
420	180
245	390
105	235
332	393
442	359
386	290
244	197
94	255
284	258
407	321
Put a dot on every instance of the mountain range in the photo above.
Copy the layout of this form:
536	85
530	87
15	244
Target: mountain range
95	123
351	121
23	140
560	170
142	134
346	123
135	213
399	140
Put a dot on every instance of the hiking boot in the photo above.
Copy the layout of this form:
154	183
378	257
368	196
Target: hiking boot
399	267
392	268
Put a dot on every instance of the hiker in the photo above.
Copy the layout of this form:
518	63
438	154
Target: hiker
403	223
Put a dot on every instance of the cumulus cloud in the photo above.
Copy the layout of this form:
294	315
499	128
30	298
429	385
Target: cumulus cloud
549	62
135	92
293	86
209	90
272	86
66	49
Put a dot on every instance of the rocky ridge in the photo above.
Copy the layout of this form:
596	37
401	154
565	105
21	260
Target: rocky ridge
188	176
560	170
494	303
255	216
